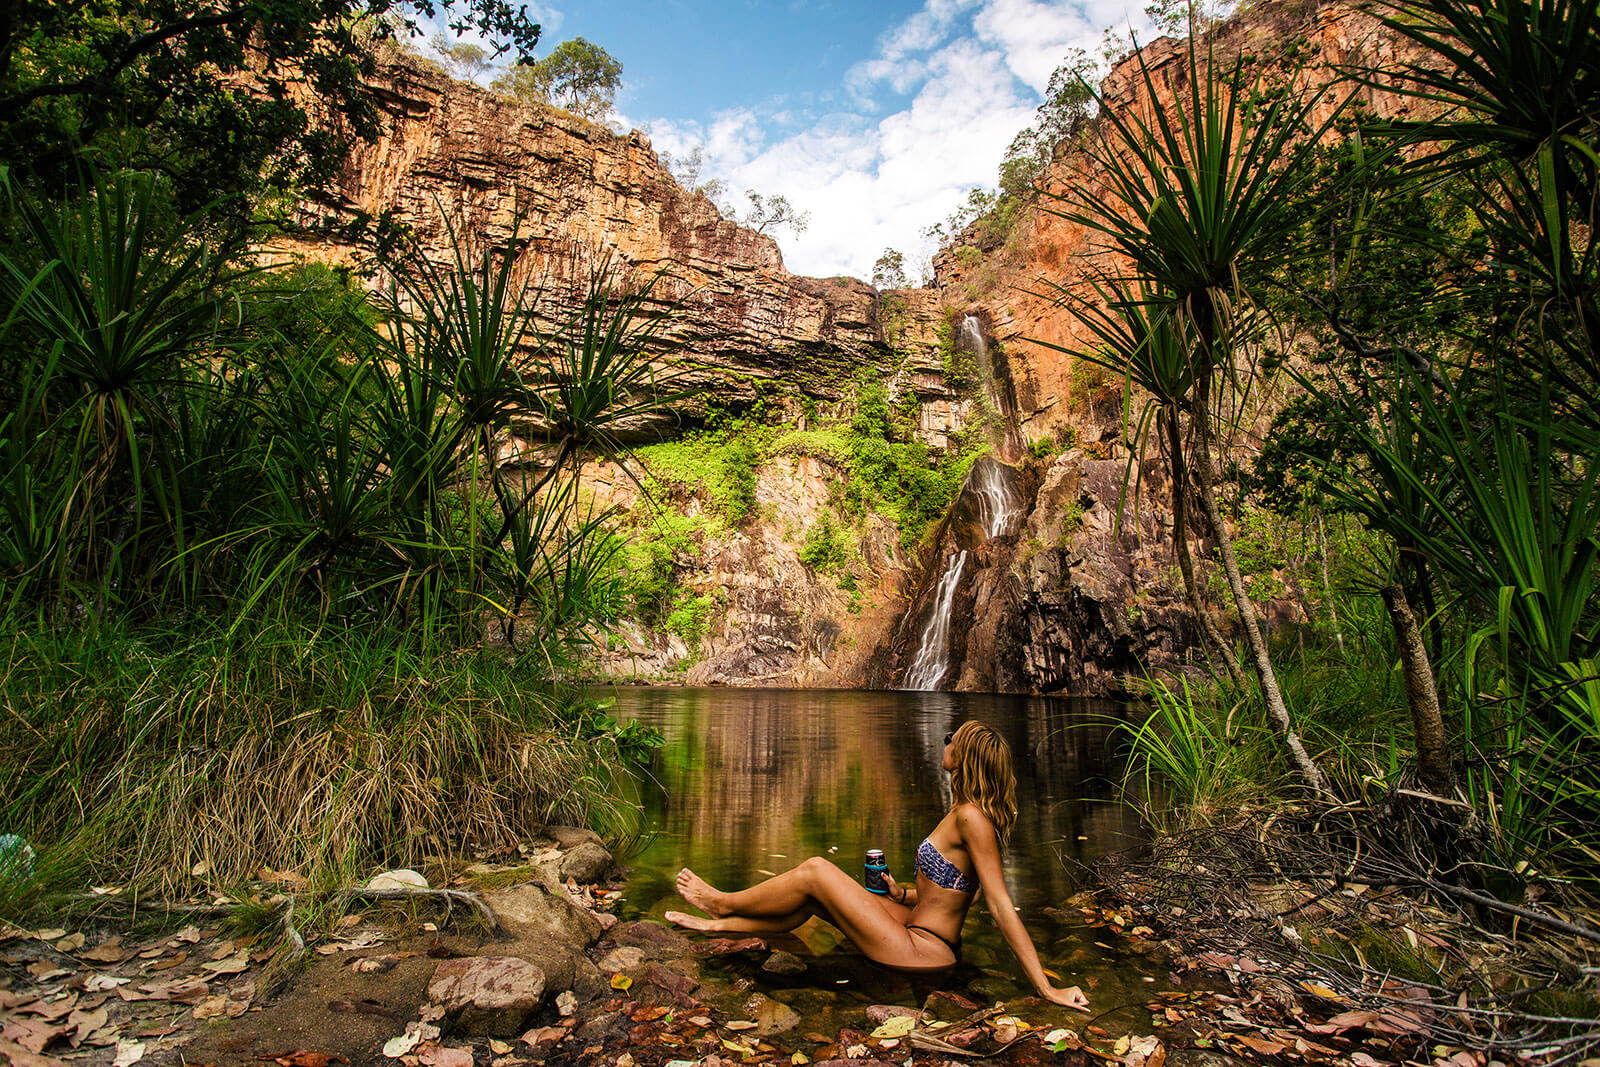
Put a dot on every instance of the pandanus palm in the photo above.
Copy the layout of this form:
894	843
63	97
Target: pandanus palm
1513	92
122	305
1139	342
1198	203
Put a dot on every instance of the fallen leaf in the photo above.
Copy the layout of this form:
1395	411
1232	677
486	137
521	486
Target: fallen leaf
108	951
305	1058
86	1022
1322	991
1347	1020
70	943
128	1053
439	1056
210	1008
44	970
396	1047
1260	1044
99	983
50	935
896	1027
543	1034
232	965
498	1047
740	1024
621	982
33	1036
51	1010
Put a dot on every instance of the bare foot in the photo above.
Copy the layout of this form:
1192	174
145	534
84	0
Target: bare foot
689	922
698	892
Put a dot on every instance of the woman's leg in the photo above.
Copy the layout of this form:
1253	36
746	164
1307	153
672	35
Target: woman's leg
818	885
742	925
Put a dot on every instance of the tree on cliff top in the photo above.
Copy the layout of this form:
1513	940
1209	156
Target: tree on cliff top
209	94
889	272
578	76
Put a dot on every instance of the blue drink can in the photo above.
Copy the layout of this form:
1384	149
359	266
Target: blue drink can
876	869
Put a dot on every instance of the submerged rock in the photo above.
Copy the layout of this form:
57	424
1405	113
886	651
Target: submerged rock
781	962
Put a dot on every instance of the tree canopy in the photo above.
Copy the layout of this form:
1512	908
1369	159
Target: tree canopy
214	96
578	76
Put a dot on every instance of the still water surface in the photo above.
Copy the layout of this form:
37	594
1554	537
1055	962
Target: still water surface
750	782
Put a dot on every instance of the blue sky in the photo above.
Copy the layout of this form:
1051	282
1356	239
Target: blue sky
876	117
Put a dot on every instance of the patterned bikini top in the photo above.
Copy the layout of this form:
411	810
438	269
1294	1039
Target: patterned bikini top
940	871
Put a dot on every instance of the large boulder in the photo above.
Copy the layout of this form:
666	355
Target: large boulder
490	996
532	912
586	862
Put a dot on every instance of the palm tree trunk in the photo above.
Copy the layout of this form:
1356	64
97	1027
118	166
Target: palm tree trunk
1421	693
1277	711
1180	540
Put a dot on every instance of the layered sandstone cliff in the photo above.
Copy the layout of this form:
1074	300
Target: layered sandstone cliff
453	159
1017	286
1076	598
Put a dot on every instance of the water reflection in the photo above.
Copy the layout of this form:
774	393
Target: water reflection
751	782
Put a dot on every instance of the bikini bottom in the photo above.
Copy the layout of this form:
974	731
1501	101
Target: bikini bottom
955	946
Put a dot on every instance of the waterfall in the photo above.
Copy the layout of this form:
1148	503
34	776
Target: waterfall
998	510
998	505
933	647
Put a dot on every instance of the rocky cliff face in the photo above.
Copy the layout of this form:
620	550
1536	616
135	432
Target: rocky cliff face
454	158
1064	598
1011	286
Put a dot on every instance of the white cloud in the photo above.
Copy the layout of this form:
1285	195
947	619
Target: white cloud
976	69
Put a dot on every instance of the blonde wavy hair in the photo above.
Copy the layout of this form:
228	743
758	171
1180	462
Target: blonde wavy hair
983	776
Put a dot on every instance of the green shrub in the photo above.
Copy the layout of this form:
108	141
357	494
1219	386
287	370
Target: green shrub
689	617
824	548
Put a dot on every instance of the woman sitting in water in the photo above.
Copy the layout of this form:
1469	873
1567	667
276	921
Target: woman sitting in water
912	929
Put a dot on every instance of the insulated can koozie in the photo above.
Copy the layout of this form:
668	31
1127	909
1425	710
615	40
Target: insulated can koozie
876	869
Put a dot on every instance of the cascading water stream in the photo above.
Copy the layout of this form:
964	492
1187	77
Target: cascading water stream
998	511
998	505
933	647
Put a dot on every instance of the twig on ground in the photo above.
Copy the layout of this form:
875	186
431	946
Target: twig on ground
447	895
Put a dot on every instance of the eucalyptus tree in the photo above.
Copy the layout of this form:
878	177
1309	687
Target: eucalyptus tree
1197	208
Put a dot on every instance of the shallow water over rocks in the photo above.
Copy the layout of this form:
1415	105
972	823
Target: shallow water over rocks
751	782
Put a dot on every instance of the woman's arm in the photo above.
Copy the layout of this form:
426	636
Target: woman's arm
977	833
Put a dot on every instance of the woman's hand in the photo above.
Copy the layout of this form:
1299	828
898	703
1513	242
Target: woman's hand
1070	997
900	894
